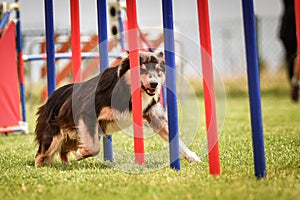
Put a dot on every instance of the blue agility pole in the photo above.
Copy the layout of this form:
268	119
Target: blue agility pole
20	64
104	62
4	20
254	89
51	76
171	84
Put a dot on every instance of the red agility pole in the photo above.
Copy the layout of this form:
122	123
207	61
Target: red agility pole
135	82
209	90
75	29
297	16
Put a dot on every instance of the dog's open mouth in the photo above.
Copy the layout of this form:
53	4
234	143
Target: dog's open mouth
149	91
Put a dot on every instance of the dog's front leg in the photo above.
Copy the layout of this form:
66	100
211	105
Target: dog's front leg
184	150
89	139
157	120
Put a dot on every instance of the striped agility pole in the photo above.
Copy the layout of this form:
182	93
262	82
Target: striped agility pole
209	89
104	63
135	82
50	49
254	89
167	9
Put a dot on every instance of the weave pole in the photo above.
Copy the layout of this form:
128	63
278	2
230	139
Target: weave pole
254	89
135	82
167	9
209	89
297	17
51	79
75	35
4	20
104	62
20	64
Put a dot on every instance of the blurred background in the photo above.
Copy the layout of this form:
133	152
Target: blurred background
226	34
226	29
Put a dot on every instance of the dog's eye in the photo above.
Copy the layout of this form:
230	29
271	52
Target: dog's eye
159	70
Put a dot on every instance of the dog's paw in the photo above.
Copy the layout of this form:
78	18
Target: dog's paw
77	155
191	156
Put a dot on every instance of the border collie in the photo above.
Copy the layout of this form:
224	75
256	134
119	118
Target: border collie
76	114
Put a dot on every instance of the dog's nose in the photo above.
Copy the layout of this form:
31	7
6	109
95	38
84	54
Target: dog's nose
153	84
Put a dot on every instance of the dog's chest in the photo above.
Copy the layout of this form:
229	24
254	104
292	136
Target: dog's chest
123	119
146	100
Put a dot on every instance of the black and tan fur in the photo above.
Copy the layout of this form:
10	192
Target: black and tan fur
75	115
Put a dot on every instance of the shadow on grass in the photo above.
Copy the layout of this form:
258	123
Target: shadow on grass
89	163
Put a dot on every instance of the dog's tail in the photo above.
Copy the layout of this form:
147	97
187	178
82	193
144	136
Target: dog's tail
46	121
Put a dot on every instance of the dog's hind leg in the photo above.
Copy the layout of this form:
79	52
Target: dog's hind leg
70	143
64	156
67	146
46	156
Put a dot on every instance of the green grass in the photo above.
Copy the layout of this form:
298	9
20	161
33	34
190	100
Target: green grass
92	179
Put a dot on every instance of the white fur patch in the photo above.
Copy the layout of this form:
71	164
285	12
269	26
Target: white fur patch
187	153
121	121
146	100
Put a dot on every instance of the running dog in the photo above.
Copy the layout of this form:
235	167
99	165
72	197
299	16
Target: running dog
76	114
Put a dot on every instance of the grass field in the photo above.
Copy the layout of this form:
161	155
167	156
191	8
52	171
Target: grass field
92	179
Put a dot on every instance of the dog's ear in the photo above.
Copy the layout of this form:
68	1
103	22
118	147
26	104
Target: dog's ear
160	54
124	66
148	57
161	57
143	57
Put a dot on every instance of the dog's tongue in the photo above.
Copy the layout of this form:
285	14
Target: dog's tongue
151	90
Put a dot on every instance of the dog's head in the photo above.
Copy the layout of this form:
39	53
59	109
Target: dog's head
152	71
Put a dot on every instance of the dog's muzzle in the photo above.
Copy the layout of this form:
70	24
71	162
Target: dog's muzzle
151	91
